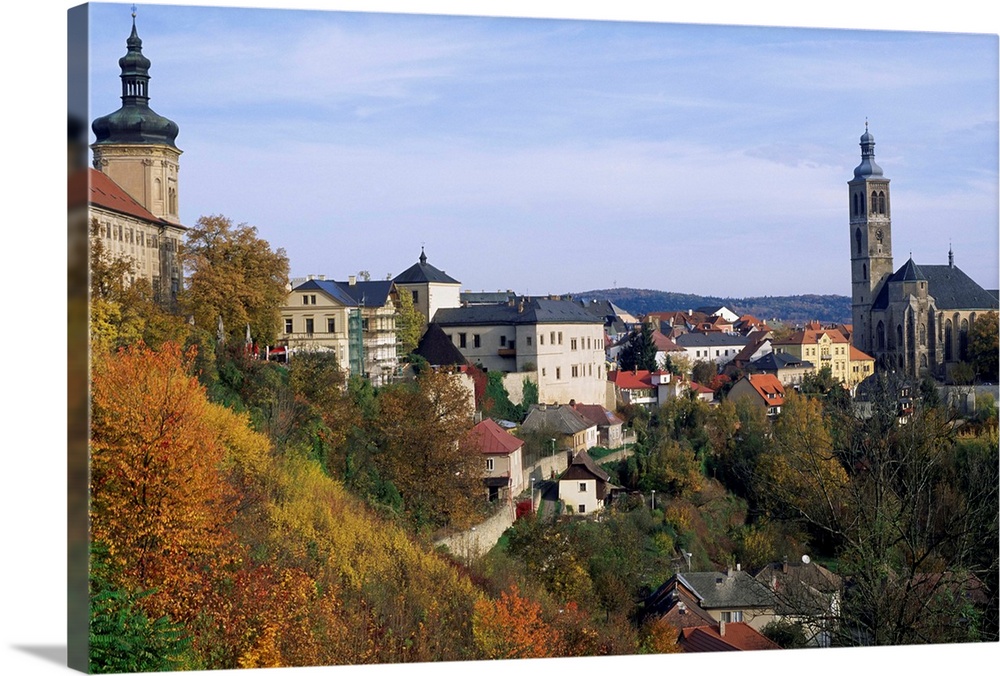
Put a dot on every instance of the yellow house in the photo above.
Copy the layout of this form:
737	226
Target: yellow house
862	366
822	347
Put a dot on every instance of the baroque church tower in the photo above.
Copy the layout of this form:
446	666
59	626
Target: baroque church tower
871	239
135	146
133	185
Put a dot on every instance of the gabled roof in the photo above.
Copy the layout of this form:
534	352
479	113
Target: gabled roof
678	605
107	194
558	419
951	288
768	387
811	335
367	294
423	272
714	339
858	355
732	589
330	288
631	380
522	311
738	636
664	344
775	361
436	347
597	414
583	466
489	438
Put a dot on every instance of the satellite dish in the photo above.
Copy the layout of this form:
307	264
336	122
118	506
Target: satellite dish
805	558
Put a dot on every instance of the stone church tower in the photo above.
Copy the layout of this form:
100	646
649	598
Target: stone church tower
871	239
916	320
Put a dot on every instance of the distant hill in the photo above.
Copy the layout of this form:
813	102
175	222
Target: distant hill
827	309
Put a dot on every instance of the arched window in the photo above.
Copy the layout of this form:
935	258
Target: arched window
923	361
881	202
899	336
880	336
923	335
963	340
857	240
948	340
874	203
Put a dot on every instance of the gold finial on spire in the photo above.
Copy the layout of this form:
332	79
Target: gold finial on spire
133	10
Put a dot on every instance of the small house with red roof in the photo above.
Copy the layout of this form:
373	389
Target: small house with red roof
501	452
760	389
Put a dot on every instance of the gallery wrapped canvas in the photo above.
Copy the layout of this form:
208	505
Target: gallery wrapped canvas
432	339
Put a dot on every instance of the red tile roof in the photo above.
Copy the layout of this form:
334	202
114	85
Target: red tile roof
664	344
490	439
107	194
738	636
768	387
858	355
631	380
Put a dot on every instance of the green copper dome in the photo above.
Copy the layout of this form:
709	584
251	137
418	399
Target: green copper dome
135	121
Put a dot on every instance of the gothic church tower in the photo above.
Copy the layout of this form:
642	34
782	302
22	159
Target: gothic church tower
871	239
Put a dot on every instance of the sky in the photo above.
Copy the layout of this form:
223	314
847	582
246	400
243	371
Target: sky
563	155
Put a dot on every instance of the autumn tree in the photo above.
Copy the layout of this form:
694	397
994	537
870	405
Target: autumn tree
123	307
512	627
233	274
409	324
421	428
801	472
158	502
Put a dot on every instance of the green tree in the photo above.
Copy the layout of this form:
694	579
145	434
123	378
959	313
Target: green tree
639	350
704	372
409	324
233	274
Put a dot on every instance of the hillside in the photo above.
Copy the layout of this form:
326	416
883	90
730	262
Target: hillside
829	308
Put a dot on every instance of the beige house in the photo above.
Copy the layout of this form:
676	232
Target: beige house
584	487
133	189
317	315
557	340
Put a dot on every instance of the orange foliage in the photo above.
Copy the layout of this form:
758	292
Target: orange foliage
157	499
512	627
660	637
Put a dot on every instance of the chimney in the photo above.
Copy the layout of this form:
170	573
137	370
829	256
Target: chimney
722	627
784	565
352	280
681	607
738	567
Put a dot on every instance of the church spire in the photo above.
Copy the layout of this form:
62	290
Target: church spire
135	121
867	168
423	256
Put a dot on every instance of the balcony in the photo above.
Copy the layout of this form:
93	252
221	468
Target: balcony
507	352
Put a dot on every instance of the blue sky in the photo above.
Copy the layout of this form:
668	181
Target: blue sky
560	155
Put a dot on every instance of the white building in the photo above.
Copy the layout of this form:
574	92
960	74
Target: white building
557	340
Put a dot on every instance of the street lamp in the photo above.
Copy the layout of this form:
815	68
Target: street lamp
532	495
652	501
553	442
